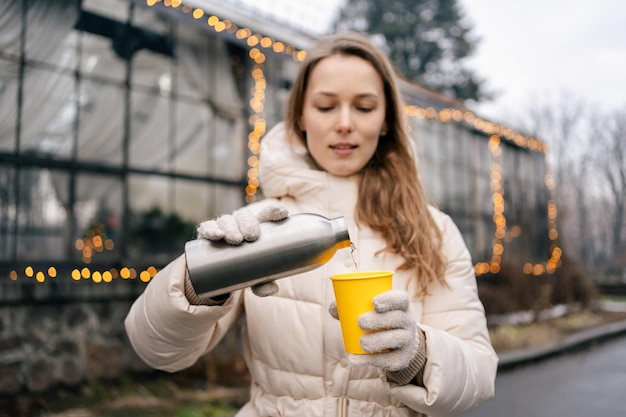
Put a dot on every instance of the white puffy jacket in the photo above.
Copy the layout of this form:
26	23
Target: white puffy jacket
294	348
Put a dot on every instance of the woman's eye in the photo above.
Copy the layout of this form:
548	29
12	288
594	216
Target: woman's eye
365	109
324	108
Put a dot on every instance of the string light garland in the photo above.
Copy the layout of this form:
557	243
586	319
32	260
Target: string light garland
496	133
258	123
241	33
482	125
98	242
86	273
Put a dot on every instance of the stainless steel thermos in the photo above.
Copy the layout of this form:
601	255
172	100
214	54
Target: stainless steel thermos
296	244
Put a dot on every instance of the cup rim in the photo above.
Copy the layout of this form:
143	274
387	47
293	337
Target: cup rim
360	275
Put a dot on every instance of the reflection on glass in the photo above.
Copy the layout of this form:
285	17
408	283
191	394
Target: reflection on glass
49	106
150	131
101	125
8	100
50	25
41	217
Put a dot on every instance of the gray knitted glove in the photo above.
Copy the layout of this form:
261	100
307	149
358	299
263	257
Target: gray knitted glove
396	344
242	226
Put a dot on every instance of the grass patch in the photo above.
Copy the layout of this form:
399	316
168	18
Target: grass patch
144	396
548	332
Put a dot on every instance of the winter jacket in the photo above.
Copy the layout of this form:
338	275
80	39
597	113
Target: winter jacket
293	347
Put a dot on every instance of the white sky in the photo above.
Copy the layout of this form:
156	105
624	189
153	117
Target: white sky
528	50
535	48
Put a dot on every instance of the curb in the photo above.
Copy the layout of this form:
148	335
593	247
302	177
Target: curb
513	358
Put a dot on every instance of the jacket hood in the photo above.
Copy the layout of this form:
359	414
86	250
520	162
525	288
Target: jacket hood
285	167
287	171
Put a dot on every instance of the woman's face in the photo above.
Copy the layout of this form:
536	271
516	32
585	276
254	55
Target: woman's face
343	113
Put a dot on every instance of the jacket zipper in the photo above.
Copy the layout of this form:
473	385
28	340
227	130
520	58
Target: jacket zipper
342	407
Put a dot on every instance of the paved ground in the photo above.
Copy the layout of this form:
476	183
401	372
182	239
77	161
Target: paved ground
579	383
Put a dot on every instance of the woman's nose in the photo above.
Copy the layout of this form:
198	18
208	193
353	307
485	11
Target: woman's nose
344	124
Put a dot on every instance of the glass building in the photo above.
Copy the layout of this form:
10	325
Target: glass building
125	123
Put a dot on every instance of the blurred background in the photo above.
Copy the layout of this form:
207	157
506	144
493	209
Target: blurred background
125	123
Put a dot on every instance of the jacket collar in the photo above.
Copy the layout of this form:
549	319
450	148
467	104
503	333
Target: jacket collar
287	170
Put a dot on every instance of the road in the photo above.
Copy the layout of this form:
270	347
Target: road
591	382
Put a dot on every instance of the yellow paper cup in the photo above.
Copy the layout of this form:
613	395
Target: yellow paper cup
354	292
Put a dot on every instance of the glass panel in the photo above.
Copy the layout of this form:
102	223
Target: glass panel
469	232
112	9
49	24
443	165
150	131
10	46
101	124
147	18
473	161
484	179
41	222
98	58
514	191
149	192
194	123
225	199
197	201
207	70
152	63
457	169
48	113
8	104
192	200
165	213
102	38
10	29
430	160
537	219
152	226
228	148
7	212
193	69
528	172
485	205
98	212
150	69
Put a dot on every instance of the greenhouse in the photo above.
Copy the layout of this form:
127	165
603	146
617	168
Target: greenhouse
125	123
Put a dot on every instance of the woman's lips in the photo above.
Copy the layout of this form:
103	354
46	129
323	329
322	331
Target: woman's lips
343	149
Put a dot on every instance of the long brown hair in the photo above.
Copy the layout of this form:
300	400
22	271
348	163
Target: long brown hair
391	199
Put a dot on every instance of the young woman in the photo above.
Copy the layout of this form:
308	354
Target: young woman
342	151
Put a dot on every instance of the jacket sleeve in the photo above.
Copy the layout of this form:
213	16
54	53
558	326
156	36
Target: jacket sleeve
166	331
461	364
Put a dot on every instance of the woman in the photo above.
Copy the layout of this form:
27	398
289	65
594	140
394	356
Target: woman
342	151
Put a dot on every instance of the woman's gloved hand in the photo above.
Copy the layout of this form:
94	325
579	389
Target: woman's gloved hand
394	342
242	226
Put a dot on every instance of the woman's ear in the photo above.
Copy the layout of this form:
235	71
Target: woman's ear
383	131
